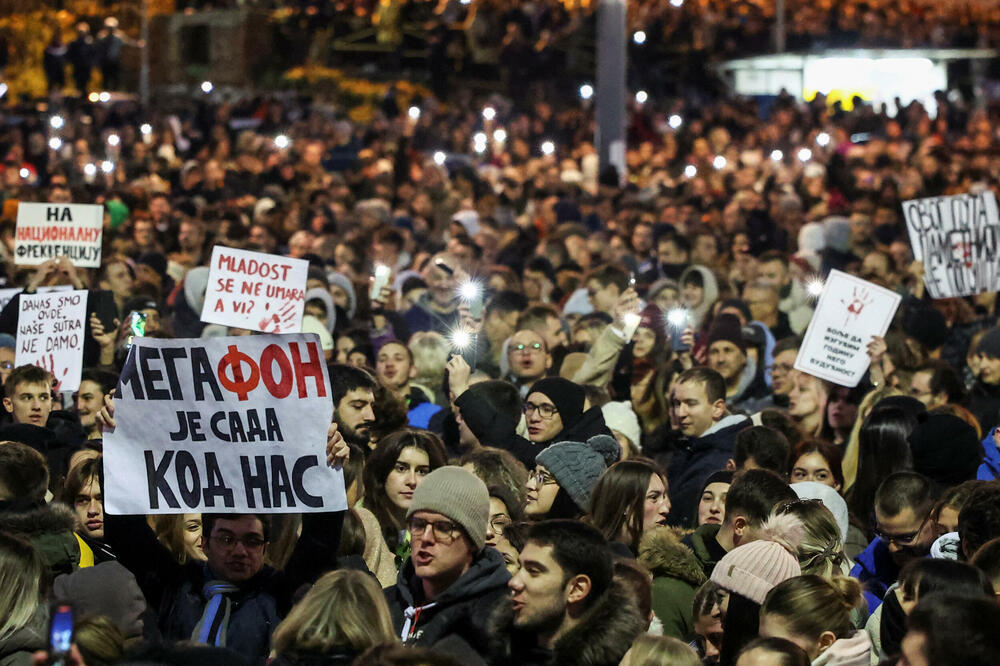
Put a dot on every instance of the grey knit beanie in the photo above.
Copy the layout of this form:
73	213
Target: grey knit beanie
577	466
458	494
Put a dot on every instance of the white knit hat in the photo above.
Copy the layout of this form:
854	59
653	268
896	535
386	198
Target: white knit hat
620	417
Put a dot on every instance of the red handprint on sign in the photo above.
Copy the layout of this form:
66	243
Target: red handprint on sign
859	299
282	319
49	363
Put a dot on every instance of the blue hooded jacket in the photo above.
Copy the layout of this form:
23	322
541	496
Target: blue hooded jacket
990	469
876	571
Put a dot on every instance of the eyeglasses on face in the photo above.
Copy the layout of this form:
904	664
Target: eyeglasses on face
228	541
499	523
533	348
545	411
901	539
542	478
444	531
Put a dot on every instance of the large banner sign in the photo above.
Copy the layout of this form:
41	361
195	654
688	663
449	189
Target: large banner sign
957	239
223	425
849	312
49	231
50	334
255	291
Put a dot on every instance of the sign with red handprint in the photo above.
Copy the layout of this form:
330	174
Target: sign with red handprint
50	334
849	313
255	291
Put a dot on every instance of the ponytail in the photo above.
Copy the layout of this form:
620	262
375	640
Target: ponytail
811	605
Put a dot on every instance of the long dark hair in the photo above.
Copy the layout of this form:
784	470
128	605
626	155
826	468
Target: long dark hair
382	459
740	625
618	500
882	450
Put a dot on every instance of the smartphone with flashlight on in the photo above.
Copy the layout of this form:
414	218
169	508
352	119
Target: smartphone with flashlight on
379	281
678	318
60	634
136	328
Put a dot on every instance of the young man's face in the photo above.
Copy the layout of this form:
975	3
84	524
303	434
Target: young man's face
89	401
31	403
235	548
6	363
603	299
89	509
527	356
908	535
355	414
538	590
692	411
441	552
392	366
773	273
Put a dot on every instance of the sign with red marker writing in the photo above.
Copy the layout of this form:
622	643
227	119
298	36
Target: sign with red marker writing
222	425
958	240
50	334
849	312
255	291
50	230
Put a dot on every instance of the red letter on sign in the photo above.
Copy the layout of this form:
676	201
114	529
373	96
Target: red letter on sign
279	389
314	369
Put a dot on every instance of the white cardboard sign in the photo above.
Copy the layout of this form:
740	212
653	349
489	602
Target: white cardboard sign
50	334
52	230
956	237
256	291
222	425
849	312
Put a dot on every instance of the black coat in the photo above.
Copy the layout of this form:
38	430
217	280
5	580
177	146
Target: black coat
175	590
601	638
693	462
458	622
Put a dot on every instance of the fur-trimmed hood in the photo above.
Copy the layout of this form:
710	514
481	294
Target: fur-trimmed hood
664	555
37	520
602	637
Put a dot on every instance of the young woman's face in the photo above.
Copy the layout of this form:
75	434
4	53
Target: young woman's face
411	467
804	399
191	525
644	340
708	633
692	295
712	506
89	508
657	505
813	467
542	490
776	626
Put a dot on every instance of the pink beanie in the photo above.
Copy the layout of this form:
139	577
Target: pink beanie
751	570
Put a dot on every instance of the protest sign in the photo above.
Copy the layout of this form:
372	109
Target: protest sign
222	425
50	334
956	237
255	291
849	312
49	231
7	295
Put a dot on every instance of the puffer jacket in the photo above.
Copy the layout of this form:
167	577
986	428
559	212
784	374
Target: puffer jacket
677	574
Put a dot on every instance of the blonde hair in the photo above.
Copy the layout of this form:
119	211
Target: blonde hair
851	451
429	351
650	650
812	605
99	639
821	550
344	609
21	573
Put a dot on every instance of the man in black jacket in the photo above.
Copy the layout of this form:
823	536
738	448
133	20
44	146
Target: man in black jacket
452	581
233	599
698	410
566	606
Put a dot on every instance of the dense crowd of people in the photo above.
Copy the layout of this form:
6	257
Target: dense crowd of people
570	426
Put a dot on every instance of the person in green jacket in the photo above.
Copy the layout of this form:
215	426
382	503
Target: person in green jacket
677	574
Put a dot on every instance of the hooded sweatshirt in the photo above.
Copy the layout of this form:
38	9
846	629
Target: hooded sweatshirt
711	292
853	650
456	622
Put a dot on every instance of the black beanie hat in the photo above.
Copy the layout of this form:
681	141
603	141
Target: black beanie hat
727	327
945	449
567	396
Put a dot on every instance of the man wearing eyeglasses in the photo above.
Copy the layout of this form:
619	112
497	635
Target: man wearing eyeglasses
233	599
528	359
452	582
903	532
